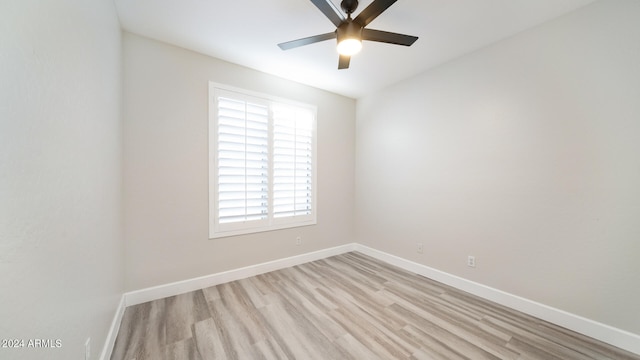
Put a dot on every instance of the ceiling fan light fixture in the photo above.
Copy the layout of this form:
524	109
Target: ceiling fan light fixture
349	47
349	36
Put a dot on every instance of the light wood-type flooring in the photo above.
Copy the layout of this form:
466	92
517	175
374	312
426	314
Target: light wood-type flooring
348	306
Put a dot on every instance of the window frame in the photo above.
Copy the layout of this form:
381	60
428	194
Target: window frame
217	230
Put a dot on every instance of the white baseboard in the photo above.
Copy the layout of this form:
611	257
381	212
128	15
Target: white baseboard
113	331
605	333
181	287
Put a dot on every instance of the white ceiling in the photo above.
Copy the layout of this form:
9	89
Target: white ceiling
247	32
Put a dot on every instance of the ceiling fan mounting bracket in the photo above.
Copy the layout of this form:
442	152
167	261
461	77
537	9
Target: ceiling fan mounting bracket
349	6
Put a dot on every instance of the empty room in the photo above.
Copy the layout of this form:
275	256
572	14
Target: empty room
320	179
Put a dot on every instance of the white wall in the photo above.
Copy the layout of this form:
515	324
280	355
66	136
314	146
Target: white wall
525	154
166	167
61	238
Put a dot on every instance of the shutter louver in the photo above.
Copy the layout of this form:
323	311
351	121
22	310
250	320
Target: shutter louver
243	161
292	161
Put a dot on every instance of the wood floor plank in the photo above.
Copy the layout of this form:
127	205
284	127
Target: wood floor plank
431	346
181	350
356	349
182	311
349	306
234	334
208	341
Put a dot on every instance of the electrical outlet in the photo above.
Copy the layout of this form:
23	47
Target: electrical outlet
298	240
471	261
420	248
87	349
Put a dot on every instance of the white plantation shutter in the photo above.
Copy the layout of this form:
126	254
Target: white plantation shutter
262	164
292	161
243	160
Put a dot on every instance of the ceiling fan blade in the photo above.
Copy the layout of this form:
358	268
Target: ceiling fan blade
372	11
330	11
343	63
388	37
306	41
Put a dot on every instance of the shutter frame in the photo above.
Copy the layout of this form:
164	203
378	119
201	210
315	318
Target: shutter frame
290	146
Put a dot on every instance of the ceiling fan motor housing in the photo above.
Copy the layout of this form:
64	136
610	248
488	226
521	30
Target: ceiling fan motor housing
349	30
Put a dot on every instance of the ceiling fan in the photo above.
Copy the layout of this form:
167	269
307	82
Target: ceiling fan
350	32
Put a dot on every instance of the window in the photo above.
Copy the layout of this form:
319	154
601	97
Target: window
261	163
